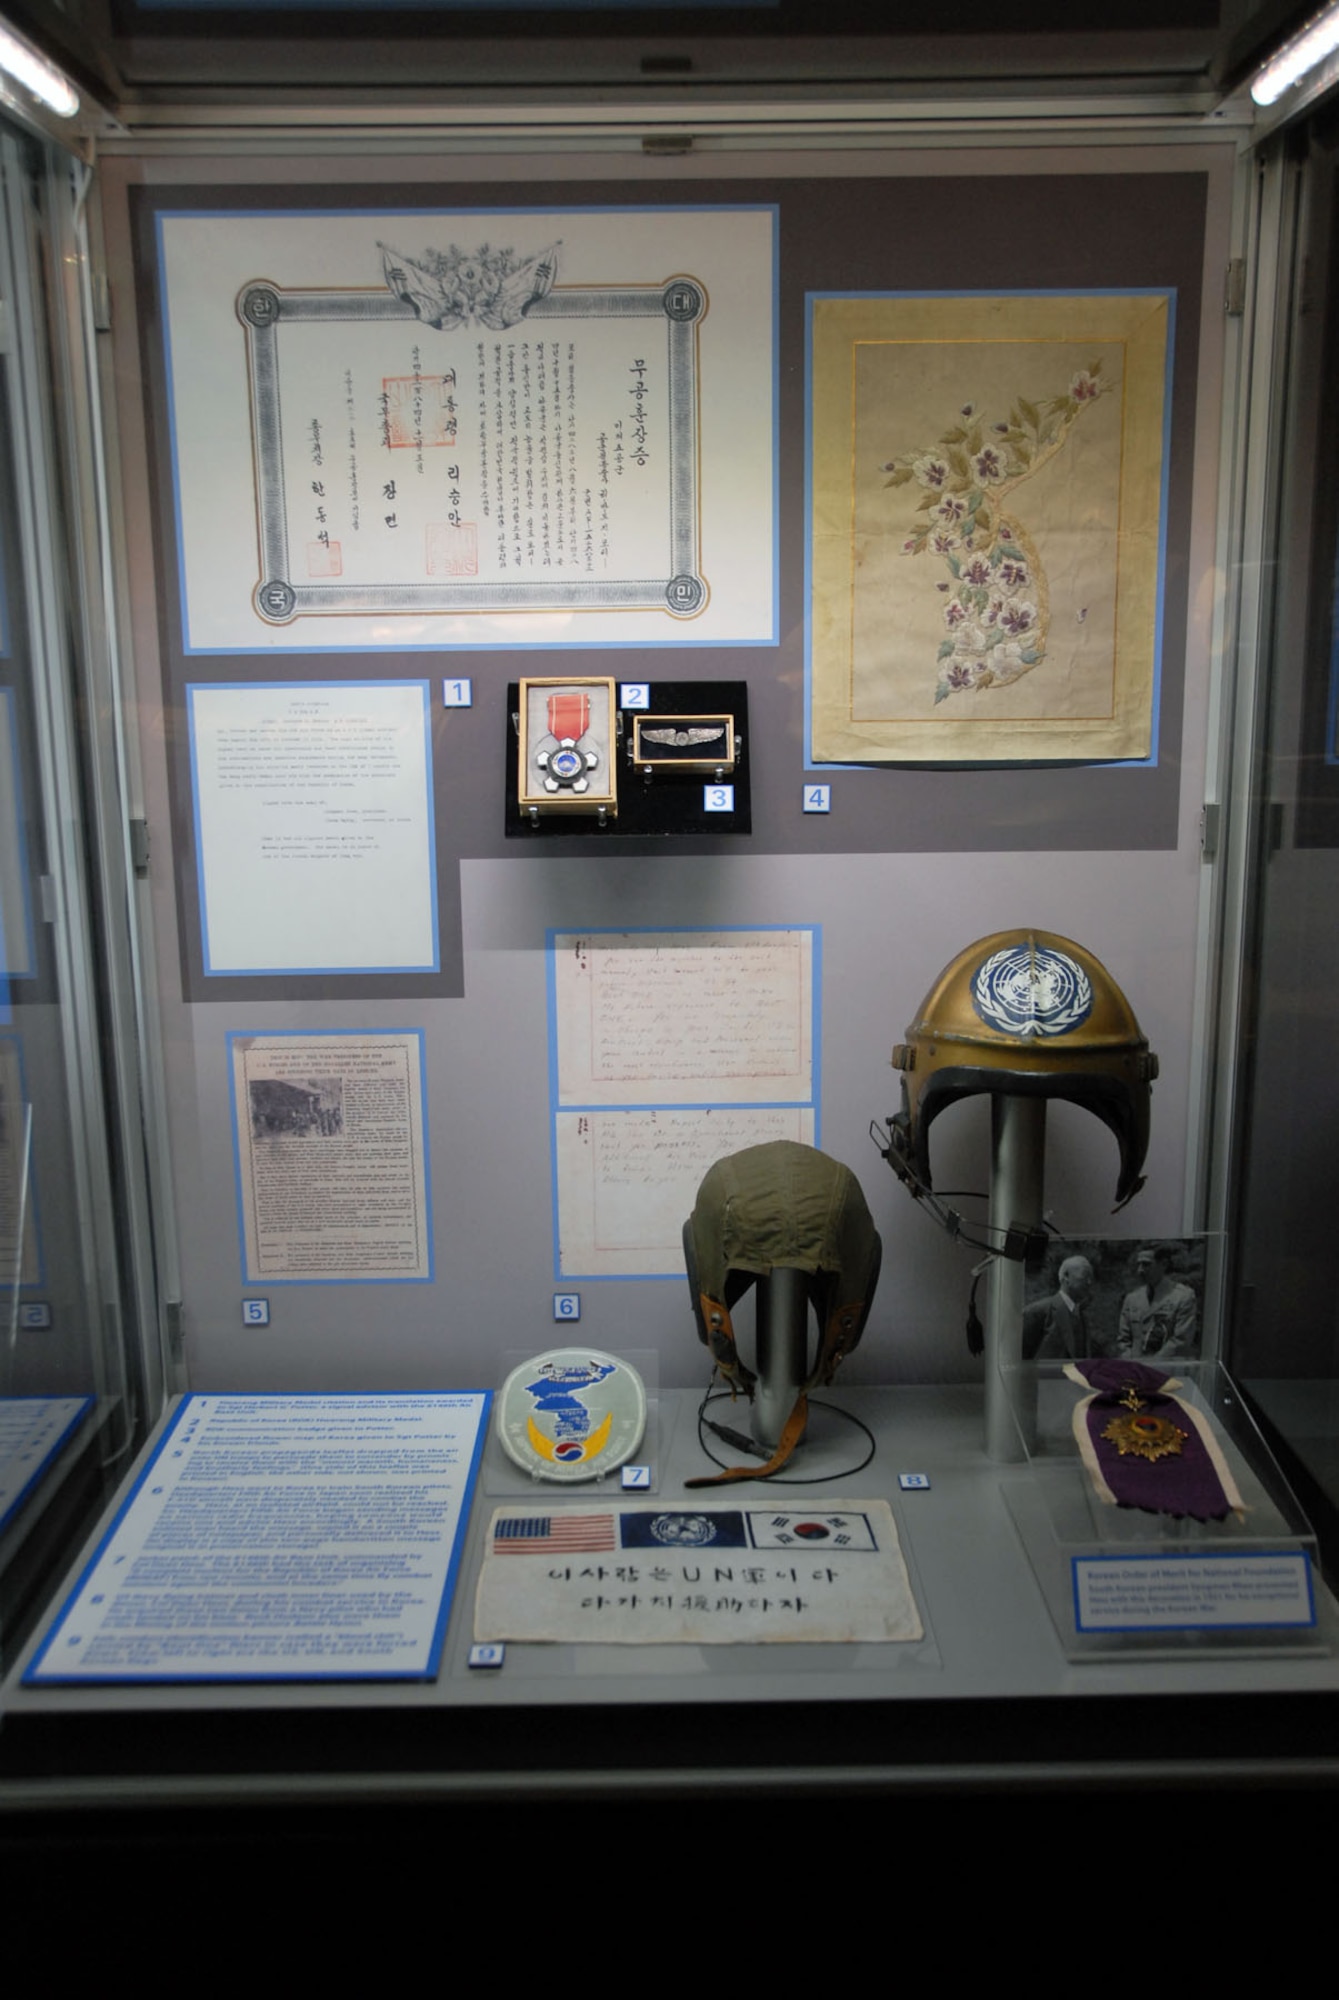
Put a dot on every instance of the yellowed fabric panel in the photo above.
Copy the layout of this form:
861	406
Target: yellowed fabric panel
987	487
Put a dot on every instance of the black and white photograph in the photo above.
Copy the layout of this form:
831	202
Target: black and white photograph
1141	1296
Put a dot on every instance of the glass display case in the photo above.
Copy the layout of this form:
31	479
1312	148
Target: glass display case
962	468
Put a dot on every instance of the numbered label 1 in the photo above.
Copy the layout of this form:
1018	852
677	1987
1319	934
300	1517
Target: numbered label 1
634	694
818	798
457	694
255	1312
567	1305
718	798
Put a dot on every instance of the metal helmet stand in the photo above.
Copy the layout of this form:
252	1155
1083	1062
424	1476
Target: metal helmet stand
1017	1175
782	1348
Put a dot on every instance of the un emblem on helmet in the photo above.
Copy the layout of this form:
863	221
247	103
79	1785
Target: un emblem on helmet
1028	989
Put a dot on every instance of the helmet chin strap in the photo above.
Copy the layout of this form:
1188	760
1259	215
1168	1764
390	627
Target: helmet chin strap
839	1337
795	1426
1019	1242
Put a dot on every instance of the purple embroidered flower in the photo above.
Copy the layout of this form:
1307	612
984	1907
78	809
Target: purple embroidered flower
931	472
954	614
950	509
988	465
960	675
910	546
943	543
1018	618
1012	574
966	409
976	571
1085	387
1006	532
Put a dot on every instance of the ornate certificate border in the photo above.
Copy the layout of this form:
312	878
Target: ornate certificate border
987	513
672	310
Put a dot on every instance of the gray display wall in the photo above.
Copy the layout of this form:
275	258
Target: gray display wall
908	868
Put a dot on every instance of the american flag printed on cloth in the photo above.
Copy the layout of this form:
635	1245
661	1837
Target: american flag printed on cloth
554	1534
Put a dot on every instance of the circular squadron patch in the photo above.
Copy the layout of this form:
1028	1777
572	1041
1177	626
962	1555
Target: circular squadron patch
1029	989
571	1414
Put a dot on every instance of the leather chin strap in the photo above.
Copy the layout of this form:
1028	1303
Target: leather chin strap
839	1337
790	1436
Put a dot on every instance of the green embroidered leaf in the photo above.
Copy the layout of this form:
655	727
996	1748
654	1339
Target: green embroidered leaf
942	692
1031	414
954	565
945	648
900	477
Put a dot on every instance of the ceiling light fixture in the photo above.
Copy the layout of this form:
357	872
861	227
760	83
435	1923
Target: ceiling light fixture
41	78
1318	39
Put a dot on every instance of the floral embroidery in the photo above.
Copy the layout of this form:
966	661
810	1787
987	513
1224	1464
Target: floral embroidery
999	613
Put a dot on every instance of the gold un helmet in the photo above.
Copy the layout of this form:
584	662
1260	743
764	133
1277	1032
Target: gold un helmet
1027	1014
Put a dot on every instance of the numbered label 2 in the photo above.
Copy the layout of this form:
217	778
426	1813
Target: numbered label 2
634	694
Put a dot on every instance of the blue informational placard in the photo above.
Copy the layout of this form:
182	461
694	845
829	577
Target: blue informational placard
1215	1590
279	1538
33	1429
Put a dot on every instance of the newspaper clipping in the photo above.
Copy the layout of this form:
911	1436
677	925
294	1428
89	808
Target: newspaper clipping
331	1156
